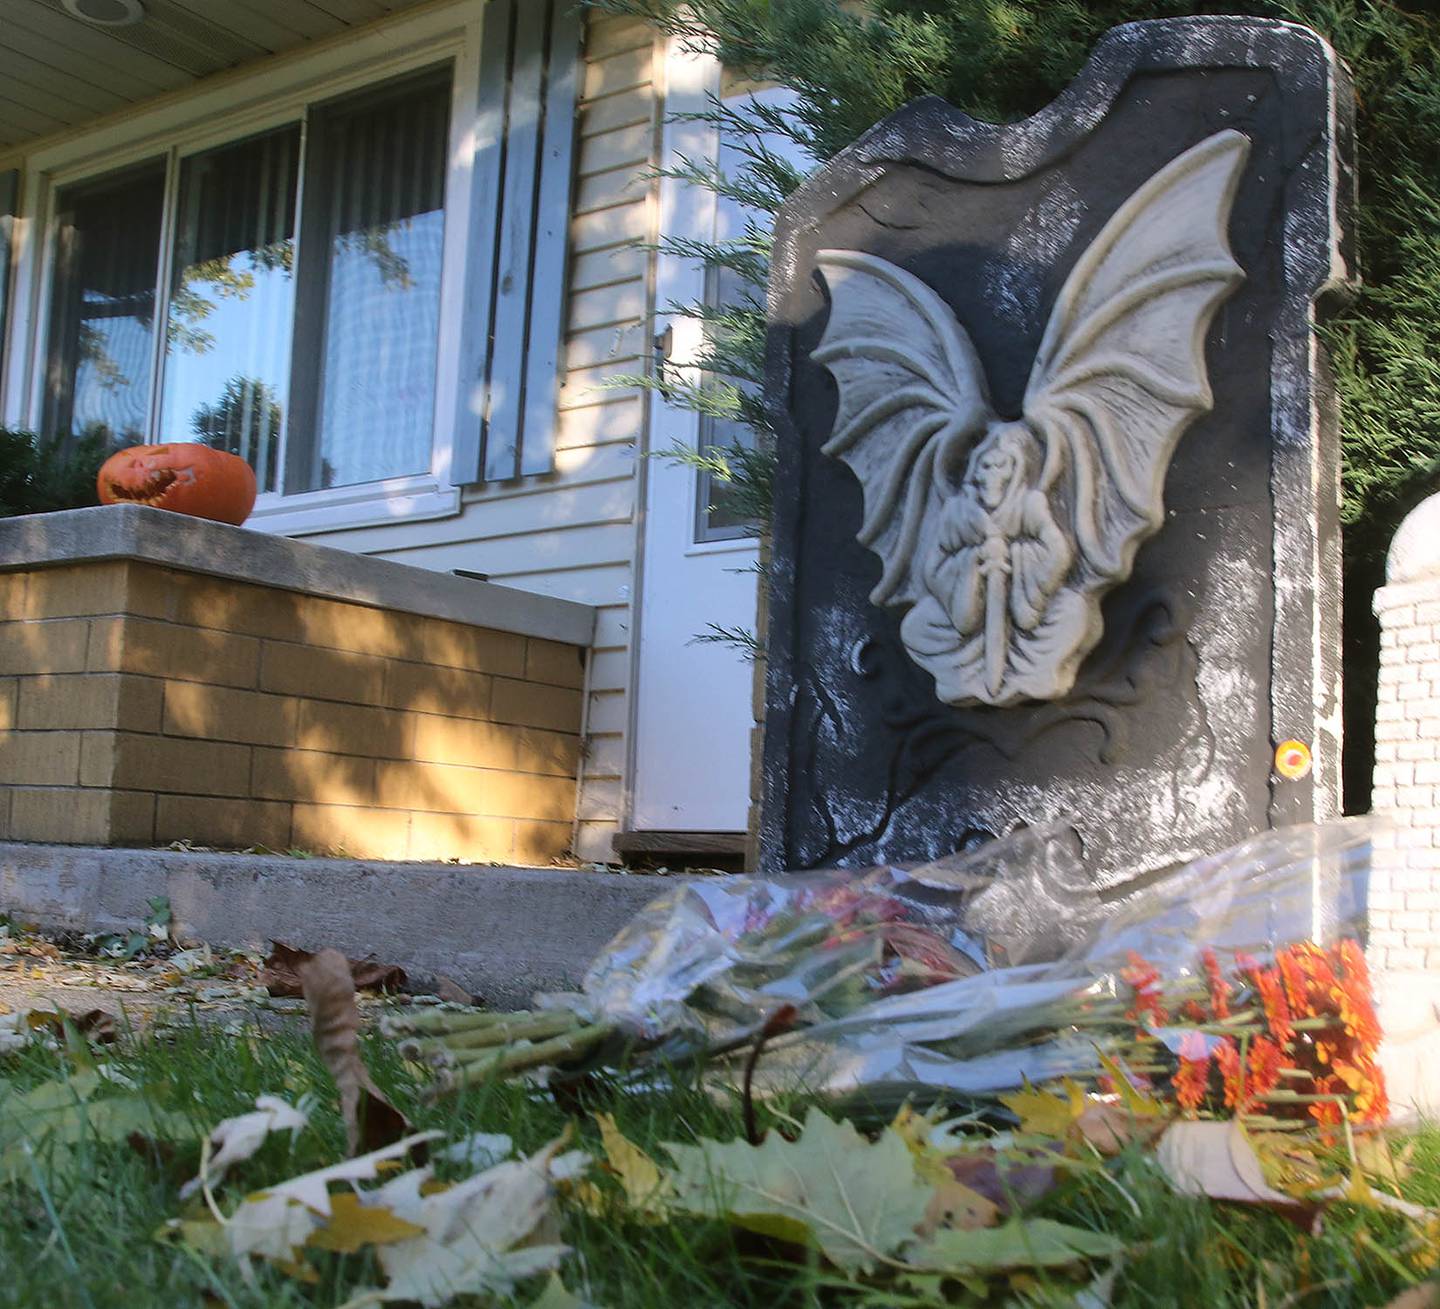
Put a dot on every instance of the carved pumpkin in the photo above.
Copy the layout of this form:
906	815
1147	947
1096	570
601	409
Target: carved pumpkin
184	477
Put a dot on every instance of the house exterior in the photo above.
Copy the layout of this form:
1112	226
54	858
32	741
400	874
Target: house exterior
396	255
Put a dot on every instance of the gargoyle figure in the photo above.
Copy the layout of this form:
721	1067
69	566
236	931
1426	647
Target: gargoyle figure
999	538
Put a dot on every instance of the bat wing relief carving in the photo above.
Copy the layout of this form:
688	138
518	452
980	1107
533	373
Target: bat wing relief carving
999	538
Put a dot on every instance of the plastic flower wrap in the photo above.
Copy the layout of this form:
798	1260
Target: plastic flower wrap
1234	983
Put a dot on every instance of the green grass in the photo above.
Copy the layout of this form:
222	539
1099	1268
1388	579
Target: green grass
84	1236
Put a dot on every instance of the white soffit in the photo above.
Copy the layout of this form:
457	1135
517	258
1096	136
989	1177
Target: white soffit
58	72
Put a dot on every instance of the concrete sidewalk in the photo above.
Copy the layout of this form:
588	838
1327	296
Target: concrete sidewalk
501	932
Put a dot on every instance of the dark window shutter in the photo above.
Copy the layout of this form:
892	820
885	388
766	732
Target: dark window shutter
9	208
530	64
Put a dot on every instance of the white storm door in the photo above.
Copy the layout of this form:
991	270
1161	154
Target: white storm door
692	704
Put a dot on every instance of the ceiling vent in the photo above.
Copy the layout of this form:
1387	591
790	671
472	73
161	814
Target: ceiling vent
105	13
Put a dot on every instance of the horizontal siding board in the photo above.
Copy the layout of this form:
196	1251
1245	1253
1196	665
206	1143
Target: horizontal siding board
505	522
617	418
595	584
625	147
605	754
610	667
624	302
615	35
609	710
604	345
616	186
599	798
607	268
610	227
552	554
624	109
619	72
612	626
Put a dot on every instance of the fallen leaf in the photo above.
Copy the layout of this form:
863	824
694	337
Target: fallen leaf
1216	1159
1417	1297
952	1203
473	1232
478	1150
646	1188
857	1200
453	992
54	1117
281	975
276	1223
371	1121
555	1296
1131	1096
1043	1113
1018	1244
1110	1127
1009	1180
235	1139
353	1225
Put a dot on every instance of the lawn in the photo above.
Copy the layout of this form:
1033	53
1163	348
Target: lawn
81	1223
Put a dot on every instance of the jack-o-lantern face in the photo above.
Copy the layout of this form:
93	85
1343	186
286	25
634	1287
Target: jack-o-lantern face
186	478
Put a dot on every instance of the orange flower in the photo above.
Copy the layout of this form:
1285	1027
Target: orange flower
1266	1061
1193	1076
1143	978
1219	987
1278	1016
1227	1060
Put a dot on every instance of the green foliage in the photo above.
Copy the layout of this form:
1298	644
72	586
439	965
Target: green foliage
39	475
852	64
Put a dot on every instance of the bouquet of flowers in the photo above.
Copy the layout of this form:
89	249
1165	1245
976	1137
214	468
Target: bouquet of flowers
1234	983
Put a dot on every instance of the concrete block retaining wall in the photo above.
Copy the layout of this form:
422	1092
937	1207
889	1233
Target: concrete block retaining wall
165	679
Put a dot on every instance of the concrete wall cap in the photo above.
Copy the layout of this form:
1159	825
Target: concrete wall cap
171	540
1415	551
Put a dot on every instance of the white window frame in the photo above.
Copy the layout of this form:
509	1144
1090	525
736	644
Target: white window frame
242	105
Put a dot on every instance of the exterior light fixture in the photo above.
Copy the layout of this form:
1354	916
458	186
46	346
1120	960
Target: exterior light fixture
105	13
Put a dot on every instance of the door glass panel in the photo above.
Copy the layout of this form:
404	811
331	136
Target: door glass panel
379	224
232	297
102	308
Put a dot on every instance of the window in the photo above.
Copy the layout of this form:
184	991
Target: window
300	293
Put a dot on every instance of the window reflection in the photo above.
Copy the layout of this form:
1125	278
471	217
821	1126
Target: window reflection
232	297
102	312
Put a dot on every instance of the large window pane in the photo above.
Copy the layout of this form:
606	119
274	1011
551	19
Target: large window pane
232	299
370	247
102	308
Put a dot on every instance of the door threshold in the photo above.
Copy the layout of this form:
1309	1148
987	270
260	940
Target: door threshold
651	843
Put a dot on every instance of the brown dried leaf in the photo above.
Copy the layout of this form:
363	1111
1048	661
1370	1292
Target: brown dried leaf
453	992
1111	1127
281	975
371	1121
94	1024
1418	1297
1009	1181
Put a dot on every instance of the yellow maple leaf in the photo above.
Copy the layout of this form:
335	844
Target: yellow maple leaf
1043	1113
352	1225
1131	1096
646	1187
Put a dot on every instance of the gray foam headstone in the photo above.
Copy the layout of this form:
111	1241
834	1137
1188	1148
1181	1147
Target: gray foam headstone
1056	531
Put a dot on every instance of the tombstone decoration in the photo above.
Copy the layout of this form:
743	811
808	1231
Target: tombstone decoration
1056	530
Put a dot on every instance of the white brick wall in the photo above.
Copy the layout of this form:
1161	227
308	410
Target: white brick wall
1405	878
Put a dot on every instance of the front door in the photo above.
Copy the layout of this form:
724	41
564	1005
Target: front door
693	716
